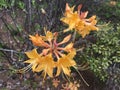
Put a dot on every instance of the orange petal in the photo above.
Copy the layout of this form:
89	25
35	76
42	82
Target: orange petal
45	51
66	70
32	54
69	47
66	39
83	15
36	40
67	7
68	10
79	8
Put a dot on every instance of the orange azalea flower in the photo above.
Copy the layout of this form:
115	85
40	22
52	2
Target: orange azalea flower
34	60
71	18
39	63
78	21
47	65
65	62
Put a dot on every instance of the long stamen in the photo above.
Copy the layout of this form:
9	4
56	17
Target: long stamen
74	36
59	53
25	69
56	54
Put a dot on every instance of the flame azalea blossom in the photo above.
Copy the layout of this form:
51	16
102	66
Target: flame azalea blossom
47	65
34	60
65	62
39	63
77	20
51	49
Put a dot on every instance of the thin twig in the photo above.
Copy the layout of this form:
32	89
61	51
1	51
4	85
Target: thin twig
74	36
8	50
80	49
11	53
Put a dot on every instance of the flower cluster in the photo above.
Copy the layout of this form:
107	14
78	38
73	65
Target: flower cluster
45	61
77	20
56	54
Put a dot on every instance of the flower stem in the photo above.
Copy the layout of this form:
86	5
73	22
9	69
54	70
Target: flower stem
74	36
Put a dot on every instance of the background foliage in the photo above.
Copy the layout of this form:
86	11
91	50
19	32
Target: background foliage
105	52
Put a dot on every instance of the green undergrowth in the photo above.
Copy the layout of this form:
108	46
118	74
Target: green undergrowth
104	52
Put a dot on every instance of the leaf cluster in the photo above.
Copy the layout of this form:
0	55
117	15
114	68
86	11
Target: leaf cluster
4	4
105	52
